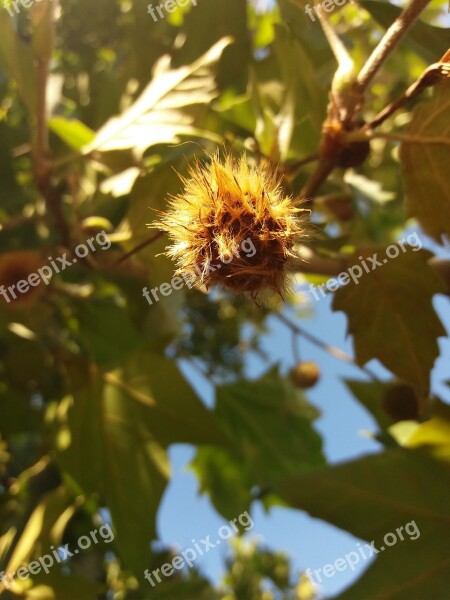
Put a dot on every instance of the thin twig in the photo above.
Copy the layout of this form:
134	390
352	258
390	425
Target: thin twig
138	248
341	54
295	349
332	350
344	77
346	101
432	75
16	222
308	261
290	168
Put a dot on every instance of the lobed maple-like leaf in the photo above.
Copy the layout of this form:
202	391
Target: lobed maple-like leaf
391	316
158	116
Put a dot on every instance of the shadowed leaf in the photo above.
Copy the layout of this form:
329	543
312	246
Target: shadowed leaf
383	309
425	160
378	495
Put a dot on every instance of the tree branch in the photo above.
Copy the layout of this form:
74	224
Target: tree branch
392	37
310	262
43	23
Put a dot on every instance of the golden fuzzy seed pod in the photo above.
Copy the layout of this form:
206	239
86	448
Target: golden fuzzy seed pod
233	226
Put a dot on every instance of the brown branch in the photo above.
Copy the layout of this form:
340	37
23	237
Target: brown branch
391	38
290	169
347	100
320	174
314	264
41	148
16	222
432	75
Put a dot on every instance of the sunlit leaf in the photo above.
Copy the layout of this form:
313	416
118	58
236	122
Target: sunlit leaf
158	114
75	133
113	434
433	435
44	527
121	424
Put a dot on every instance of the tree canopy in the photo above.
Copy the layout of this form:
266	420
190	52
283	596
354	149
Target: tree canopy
318	136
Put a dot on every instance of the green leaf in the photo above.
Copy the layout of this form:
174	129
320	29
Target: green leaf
425	159
149	195
174	588
310	100
290	107
377	495
262	23
426	40
108	330
223	475
382	312
309	36
120	425
270	425
158	116
175	414
112	433
15	414
266	419
209	22
72	131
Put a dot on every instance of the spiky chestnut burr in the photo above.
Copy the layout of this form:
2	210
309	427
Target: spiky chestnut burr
225	207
